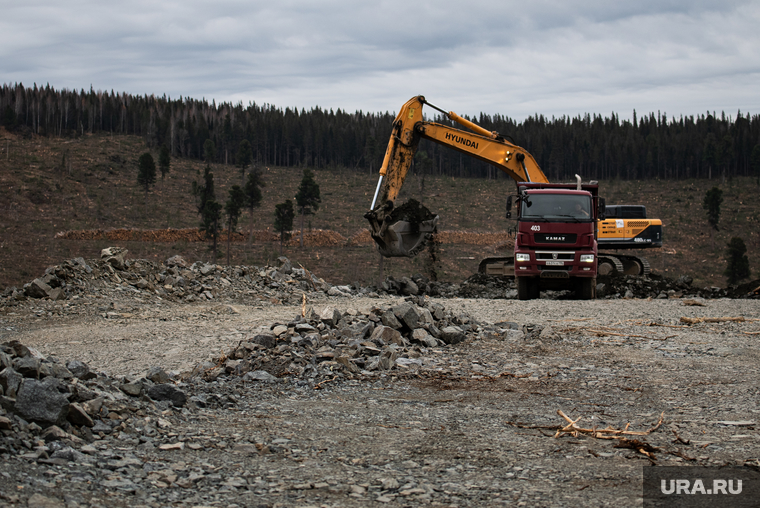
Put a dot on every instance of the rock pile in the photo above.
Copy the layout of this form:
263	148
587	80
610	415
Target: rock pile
619	286
49	409
328	345
174	280
658	286
476	286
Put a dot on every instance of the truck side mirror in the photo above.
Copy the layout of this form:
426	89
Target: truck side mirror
602	209
509	206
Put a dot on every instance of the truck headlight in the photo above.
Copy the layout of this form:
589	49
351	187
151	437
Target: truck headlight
522	257
587	258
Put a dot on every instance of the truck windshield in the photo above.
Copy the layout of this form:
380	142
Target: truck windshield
572	207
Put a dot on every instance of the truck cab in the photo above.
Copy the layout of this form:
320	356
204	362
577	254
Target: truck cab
556	240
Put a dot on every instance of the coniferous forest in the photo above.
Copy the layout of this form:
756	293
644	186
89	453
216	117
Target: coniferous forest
651	146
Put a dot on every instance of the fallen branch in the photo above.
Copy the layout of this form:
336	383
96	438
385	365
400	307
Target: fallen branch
642	447
666	326
681	440
603	332
516	376
694	321
608	433
319	385
308	277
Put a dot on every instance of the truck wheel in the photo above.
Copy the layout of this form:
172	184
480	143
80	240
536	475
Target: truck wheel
526	288
535	289
586	289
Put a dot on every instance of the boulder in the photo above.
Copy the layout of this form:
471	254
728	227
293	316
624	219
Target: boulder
280	330
408	314
56	294
284	265
92	407
408	287
80	370
40	401
114	256
389	319
452	335
330	316
27	366
347	363
80	263
168	392
264	339
133	388
157	375
423	337
334	291
10	380
386	335
260	375
59	371
37	289
176	261
54	433
78	416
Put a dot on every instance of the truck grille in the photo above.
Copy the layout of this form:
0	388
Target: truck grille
543	255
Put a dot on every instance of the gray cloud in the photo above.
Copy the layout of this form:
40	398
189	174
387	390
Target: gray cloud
553	58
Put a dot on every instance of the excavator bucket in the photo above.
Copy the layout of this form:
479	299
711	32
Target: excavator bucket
403	232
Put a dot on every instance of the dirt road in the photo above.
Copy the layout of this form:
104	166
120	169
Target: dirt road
474	426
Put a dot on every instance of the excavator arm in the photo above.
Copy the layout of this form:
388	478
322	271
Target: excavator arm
404	230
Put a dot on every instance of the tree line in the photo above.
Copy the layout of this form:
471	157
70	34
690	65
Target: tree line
646	147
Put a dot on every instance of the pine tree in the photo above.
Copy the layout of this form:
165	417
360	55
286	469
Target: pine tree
738	262
755	162
307	197
211	215
205	191
146	174
713	200
244	156
253	195
209	151
283	219
164	161
233	208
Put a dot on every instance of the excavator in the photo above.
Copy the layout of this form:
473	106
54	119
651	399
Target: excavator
403	231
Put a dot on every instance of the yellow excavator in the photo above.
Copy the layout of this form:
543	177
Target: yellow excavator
403	231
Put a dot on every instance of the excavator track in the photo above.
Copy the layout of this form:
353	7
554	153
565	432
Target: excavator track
502	266
623	265
634	265
609	265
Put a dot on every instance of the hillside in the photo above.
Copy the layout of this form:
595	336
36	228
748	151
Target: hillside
51	185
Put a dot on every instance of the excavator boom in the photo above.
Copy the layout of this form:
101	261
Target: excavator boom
403	231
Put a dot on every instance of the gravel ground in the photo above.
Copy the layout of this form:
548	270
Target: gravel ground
473	426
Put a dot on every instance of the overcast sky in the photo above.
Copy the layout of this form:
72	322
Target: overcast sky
470	56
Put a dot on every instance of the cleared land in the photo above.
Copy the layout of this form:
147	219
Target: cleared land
474	425
53	185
